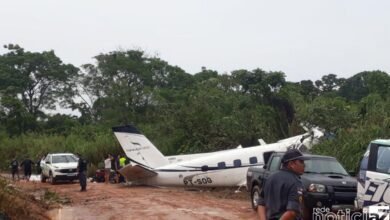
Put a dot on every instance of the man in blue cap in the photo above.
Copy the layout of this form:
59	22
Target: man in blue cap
281	197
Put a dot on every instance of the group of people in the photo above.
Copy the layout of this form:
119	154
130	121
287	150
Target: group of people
115	163
112	162
27	165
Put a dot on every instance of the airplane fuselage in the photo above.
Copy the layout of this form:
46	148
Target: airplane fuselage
223	168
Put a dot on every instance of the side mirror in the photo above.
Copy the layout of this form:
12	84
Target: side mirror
352	173
47	162
265	166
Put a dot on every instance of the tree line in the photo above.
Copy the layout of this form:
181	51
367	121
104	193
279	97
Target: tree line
180	112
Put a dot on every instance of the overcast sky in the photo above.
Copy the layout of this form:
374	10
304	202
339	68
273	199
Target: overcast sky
304	39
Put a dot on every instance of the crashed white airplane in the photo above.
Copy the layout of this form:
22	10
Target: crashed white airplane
222	168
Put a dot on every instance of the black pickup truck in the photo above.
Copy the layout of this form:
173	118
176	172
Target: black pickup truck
326	182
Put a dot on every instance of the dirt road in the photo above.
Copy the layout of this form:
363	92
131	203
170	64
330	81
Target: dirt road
116	201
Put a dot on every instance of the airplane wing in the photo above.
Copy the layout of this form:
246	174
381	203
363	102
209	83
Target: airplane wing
136	172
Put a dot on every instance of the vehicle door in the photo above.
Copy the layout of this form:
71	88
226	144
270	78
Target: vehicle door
377	180
46	165
273	165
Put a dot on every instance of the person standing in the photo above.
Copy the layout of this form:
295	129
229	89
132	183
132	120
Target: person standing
107	168
38	164
27	165
115	166
282	194
15	168
122	163
82	173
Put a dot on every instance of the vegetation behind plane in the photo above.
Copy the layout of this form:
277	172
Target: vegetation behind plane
180	112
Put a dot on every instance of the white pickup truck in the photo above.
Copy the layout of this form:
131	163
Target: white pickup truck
59	166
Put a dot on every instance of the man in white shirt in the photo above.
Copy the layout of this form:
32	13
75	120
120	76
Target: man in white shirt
107	168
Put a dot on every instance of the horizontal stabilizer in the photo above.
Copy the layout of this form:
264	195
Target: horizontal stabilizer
136	172
262	142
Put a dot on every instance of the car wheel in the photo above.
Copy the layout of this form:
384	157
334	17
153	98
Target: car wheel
51	179
255	195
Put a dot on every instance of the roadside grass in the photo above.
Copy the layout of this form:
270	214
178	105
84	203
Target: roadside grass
93	145
52	198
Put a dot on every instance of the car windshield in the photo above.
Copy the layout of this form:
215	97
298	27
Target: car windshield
324	166
64	159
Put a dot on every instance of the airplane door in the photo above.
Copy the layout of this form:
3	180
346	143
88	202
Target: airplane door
377	181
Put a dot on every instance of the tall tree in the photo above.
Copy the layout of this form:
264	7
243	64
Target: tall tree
330	113
364	83
38	80
205	74
124	85
329	83
308	89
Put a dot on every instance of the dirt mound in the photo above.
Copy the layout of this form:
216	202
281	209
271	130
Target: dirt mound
17	203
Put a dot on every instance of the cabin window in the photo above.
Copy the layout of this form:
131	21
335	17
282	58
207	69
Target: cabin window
205	168
221	165
237	163
253	160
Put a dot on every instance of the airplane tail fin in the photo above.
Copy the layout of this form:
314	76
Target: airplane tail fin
138	148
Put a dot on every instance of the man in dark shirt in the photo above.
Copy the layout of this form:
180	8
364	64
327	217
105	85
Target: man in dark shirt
15	168
115	166
82	172
281	197
27	165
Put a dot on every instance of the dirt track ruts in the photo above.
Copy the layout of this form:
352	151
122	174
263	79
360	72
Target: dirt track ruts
116	201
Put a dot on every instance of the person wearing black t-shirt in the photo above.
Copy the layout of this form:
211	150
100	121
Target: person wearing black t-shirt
27	165
82	172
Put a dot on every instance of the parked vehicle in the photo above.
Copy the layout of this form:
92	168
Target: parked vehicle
374	176
326	182
59	166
